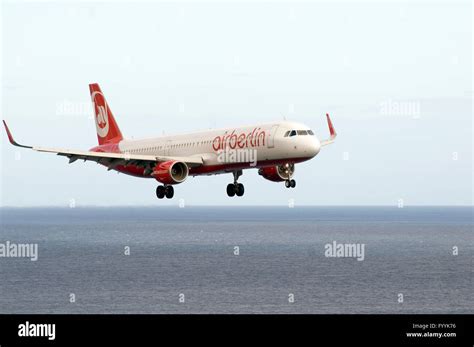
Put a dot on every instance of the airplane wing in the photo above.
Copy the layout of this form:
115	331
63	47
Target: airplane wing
332	132
111	160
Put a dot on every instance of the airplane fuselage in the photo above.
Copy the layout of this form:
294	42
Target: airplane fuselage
226	150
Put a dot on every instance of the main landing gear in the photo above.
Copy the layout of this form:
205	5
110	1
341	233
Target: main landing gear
290	183
236	188
162	191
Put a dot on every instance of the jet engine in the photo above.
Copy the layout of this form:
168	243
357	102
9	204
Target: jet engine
278	173
171	172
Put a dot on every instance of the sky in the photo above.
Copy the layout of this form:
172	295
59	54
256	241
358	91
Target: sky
396	78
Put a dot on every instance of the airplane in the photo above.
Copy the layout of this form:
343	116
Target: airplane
272	148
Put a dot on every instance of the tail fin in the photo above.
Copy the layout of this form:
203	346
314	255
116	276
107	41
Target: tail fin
107	128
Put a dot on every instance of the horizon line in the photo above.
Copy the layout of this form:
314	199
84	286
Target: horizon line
215	206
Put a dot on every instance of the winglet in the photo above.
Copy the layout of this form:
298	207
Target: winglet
332	132
11	139
331	128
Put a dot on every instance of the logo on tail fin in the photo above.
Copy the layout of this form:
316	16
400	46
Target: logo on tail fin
101	116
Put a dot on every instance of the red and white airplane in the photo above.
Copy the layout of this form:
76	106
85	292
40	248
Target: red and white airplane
273	148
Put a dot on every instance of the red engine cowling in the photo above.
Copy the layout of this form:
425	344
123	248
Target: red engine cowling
171	172
277	173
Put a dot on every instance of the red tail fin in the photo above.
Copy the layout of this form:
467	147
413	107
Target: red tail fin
107	128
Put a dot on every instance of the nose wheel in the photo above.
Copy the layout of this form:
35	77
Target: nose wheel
290	183
236	188
164	191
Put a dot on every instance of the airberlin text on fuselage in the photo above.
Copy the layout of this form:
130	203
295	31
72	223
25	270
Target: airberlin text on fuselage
255	138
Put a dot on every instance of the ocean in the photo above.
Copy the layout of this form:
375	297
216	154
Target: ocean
239	260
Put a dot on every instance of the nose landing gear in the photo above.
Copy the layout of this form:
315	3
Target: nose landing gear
290	183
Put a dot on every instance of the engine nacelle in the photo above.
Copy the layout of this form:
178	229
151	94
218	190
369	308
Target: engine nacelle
277	173
171	172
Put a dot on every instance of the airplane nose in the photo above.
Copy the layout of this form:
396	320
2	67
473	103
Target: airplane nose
313	147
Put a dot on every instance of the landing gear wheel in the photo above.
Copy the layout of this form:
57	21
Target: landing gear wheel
236	188
231	190
169	192
287	184
239	189
160	192
292	183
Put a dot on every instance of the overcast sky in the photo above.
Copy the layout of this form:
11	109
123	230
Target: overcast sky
396	78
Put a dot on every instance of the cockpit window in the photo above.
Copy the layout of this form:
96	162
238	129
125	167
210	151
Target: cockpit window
291	133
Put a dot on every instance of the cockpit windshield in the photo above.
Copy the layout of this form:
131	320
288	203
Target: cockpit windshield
291	133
